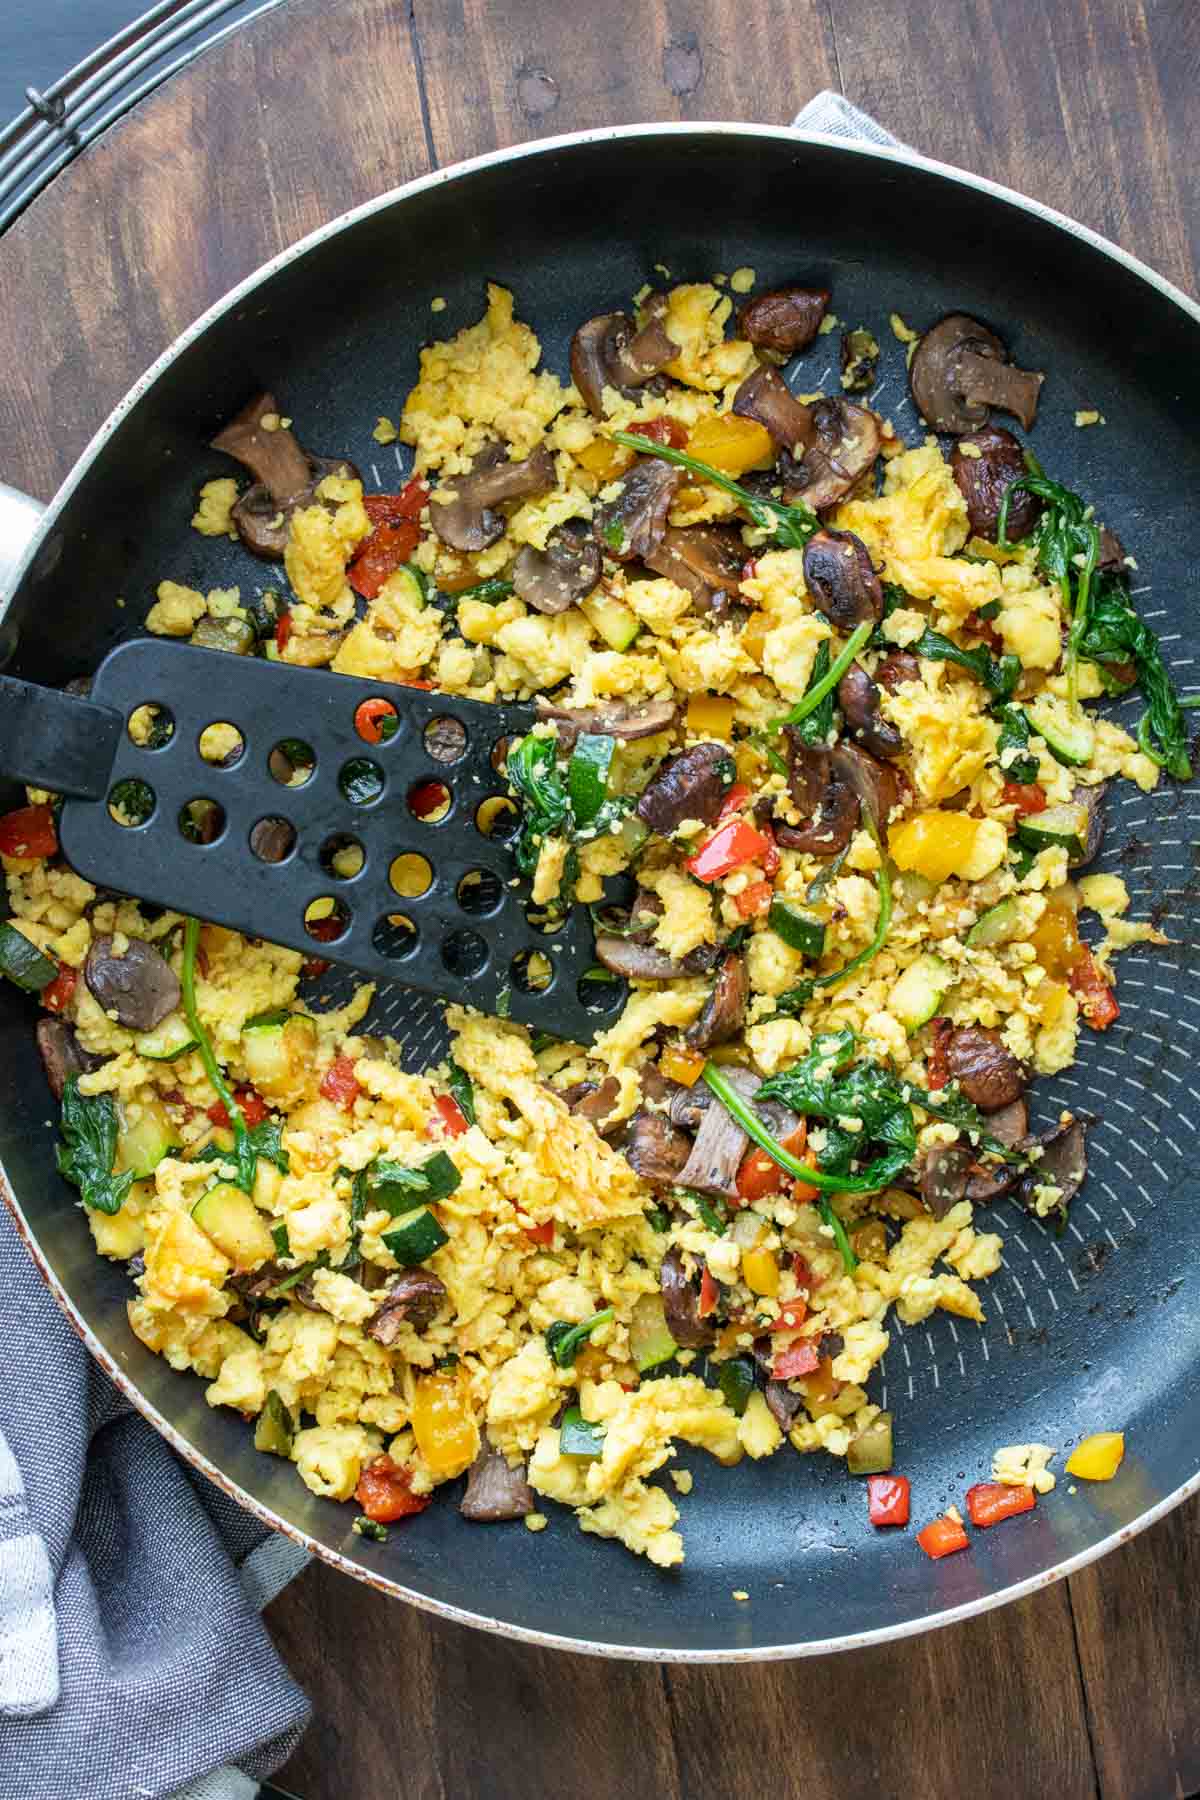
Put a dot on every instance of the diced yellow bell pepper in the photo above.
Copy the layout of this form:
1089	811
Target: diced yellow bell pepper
936	844
760	1272
729	444
604	459
443	1424
710	715
1098	1457
754	634
1056	940
680	1064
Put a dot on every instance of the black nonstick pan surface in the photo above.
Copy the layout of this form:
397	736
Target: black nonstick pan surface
1095	1329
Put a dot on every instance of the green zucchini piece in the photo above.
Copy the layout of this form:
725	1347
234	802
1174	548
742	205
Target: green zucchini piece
617	624
144	1137
274	1428
1065	825
415	1240
919	992
650	1341
230	1218
870	1450
587	775
233	634
22	962
168	1041
1070	738
281	1240
998	925
397	1189
268	1021
578	1436
800	931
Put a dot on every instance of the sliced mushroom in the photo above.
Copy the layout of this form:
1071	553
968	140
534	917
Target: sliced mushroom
984	1067
845	443
985	464
285	476
831	803
655	1150
705	560
414	1298
690	785
875	783
681	1305
897	667
1112	552
785	320
721	1143
1063	1162
841	579
1092	798
636	962
960	368
990	1180
1009	1125
461	511
724	1012
566	571
494	1490
944	1177
809	771
858	697
591	1101
617	720
782	1404
139	986
632	526
62	1054
610	351
765	397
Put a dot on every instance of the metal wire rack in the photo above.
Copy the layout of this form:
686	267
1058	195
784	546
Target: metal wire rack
61	121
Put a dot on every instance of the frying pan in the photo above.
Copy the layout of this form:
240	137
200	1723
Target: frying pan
1093	1329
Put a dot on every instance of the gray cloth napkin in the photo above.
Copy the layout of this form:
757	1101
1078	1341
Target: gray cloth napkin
133	1661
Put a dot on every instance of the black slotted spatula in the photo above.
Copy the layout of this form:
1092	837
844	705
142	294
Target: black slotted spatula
391	856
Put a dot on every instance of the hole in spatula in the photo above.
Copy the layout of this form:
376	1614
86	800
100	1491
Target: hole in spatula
151	727
498	817
361	781
201	821
545	919
327	919
479	892
292	762
465	954
342	856
395	936
376	721
410	875
445	740
430	801
131	802
600	992
532	971
273	839
222	744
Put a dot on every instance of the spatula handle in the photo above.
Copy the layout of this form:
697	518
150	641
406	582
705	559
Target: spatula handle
55	740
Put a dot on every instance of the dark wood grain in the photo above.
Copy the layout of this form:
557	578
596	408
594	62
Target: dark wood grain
446	1711
1091	1686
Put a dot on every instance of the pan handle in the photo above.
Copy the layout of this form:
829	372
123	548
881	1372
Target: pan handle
20	515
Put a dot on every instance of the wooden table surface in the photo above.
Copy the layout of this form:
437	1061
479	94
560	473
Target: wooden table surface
1092	1686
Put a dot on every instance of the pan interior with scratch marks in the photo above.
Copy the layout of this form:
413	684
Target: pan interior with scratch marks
1077	1337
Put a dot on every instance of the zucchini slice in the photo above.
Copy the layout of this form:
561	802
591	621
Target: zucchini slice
998	925
145	1136
23	962
617	624
416	1238
800	931
275	1428
171	1039
1065	825
578	1436
919	992
1070	738
233	1222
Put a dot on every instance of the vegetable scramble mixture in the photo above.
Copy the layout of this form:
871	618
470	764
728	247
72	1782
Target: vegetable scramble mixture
815	748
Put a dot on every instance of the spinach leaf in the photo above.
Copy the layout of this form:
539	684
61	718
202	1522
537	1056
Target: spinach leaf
712	1213
490	592
564	1341
817	726
245	1151
89	1148
1015	733
793	999
817	703
790	527
464	1093
954	1107
533	771
998	677
1115	634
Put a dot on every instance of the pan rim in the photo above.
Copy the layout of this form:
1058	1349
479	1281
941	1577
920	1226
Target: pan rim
901	156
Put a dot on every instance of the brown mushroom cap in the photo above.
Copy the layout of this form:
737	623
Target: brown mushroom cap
845	442
841	579
618	719
632	526
610	351
553	579
461	511
876	785
724	1011
705	560
959	369
984	465
138	985
785	320
765	397
285	476
858	697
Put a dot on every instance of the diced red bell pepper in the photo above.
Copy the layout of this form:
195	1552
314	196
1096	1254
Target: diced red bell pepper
56	995
29	831
797	1359
384	1492
283	631
416	681
375	720
1097	1002
338	1083
734	800
312	966
380	555
803	1275
539	1234
887	1499
759	1174
451	1115
664	431
755	899
1026	796
730	844
253	1109
792	1312
990	1501
710	1293
409	503
985	629
942	1537
937	1060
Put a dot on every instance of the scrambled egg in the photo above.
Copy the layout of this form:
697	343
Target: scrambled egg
549	1223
